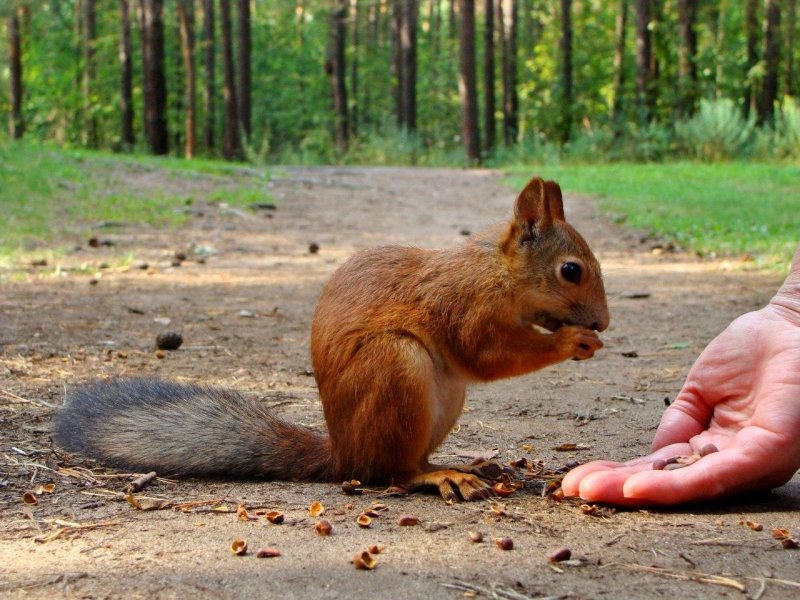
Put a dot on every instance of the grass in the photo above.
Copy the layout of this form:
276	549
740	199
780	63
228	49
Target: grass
49	196
741	209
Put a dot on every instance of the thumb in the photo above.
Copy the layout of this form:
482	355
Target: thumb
685	418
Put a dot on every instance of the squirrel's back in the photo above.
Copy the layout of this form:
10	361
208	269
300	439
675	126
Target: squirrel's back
185	429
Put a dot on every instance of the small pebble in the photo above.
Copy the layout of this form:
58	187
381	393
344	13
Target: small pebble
559	555
313	248
171	340
504	543
476	537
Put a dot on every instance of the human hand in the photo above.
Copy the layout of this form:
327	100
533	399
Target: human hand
743	396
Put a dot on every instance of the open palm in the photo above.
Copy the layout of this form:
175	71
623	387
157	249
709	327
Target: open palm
743	396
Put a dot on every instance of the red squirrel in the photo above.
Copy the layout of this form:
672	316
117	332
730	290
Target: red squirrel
396	337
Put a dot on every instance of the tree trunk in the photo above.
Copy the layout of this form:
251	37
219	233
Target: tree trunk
337	70
769	93
466	81
186	23
508	17
89	72
396	68
209	89
644	54
231	141
791	27
154	83
127	137
244	79
16	124
687	56
354	89
720	47
566	71
452	23
751	32
488	76
408	53
619	66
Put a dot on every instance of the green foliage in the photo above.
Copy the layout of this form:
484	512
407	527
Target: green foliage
717	132
724	208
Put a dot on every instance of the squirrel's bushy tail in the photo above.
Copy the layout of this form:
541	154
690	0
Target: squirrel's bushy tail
149	425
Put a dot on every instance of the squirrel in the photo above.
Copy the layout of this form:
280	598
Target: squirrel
397	335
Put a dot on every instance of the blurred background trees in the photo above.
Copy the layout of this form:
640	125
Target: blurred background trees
420	81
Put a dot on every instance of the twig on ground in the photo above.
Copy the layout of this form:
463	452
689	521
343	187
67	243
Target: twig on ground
140	482
14	396
61	527
685	575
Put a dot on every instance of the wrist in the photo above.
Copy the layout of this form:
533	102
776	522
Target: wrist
788	296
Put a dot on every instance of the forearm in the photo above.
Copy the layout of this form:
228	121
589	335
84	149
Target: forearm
788	296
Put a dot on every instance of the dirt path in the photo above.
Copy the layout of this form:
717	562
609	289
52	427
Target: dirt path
245	315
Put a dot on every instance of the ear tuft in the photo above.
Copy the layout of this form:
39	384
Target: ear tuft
556	203
531	206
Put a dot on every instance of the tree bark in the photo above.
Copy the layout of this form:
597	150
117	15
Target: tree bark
154	83
687	56
508	18
89	22
244	80
769	92
644	55
489	128
751	32
231	141
720	47
567	99
354	89
619	66
466	81
337	70
127	137
408	52
396	67
209	89
186	24
791	31
16	124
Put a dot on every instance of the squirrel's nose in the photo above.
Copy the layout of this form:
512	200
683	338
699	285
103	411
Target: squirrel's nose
602	323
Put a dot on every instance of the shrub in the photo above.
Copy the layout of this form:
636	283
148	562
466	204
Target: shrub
717	132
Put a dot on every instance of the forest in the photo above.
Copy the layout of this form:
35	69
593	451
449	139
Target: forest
405	81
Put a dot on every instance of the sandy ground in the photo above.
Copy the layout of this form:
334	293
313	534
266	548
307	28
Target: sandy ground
245	314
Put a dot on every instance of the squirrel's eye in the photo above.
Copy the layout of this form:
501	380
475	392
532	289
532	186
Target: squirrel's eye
571	272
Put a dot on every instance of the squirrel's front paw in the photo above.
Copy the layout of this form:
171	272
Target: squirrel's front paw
578	343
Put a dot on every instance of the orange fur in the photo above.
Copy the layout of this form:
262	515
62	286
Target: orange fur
399	333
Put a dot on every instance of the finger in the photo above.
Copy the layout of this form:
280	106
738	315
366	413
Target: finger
571	482
687	417
607	486
715	475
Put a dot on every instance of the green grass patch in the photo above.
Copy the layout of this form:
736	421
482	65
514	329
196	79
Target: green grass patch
49	196
722	208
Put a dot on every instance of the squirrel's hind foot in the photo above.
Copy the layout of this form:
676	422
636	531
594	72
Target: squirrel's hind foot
453	485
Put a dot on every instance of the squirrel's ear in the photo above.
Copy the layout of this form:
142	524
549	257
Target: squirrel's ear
532	207
554	199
